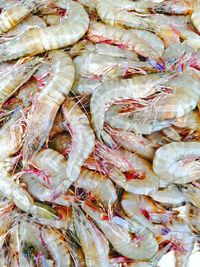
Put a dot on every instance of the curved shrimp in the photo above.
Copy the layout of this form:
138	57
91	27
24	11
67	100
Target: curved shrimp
15	76
112	91
41	40
12	15
145	210
83	140
140	247
133	142
170	195
177	162
116	13
99	32
100	186
48	102
177	7
54	242
94	244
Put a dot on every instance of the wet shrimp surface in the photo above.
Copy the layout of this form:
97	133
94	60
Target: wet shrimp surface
99	133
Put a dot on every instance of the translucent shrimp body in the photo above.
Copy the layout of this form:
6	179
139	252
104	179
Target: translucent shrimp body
48	101
112	91
40	40
94	244
83	139
176	162
133	248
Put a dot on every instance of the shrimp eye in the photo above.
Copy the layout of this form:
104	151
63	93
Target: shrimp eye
25	253
171	60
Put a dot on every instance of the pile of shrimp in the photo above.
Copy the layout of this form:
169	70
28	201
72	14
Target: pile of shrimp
99	133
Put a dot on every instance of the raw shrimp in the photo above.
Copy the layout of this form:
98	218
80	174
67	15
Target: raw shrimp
48	101
190	120
170	195
40	40
177	7
55	243
10	142
94	244
138	124
133	142
140	246
115	90
177	162
145	210
99	32
139	179
116	13
83	140
85	86
15	76
95	66
101	187
11	16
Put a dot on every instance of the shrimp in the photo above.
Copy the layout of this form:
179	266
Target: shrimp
116	13
129	123
94	244
85	86
55	243
145	210
10	142
176	7
41	40
136	88
140	246
100	186
48	102
83	141
170	195
11	16
139	179
15	76
177	162
191	120
99	32
133	142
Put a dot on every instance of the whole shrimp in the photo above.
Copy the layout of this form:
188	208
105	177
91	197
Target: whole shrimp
16	75
12	15
56	245
41	40
177	162
140	246
83	141
100	186
94	244
145	210
99	32
48	101
115	90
